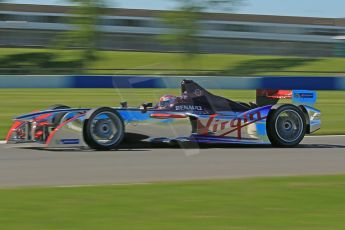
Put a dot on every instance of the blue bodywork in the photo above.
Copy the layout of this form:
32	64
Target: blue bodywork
197	116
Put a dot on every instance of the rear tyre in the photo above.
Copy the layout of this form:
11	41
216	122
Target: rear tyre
103	129
58	117
286	126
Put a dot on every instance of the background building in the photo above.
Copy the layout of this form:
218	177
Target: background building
24	25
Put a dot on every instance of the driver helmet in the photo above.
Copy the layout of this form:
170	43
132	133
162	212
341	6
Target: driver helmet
166	101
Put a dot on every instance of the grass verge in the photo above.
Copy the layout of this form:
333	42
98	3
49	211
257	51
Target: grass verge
263	203
14	102
47	61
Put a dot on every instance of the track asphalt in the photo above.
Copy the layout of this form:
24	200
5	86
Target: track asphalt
140	164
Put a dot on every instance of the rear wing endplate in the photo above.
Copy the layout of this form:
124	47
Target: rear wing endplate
298	97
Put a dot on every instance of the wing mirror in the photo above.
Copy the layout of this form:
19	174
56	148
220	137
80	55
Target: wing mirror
124	104
144	107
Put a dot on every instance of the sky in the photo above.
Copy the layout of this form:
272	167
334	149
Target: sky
308	8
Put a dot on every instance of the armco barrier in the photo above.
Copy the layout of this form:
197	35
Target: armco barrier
211	82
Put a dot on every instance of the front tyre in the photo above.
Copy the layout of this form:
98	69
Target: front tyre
286	126
103	129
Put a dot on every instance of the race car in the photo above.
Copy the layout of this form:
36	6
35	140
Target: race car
195	116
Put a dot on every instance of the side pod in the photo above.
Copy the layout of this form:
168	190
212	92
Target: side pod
68	134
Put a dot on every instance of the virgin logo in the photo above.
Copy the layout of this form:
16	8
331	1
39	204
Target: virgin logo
224	127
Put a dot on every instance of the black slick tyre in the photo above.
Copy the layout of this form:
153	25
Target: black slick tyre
103	128
286	125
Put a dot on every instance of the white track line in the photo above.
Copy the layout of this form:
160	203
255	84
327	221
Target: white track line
2	142
326	136
97	185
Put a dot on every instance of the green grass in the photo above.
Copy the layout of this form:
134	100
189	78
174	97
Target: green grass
41	61
19	101
261	203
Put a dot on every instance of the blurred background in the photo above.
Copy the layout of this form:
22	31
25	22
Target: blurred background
172	37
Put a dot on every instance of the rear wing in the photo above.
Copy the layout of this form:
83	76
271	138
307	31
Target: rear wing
298	97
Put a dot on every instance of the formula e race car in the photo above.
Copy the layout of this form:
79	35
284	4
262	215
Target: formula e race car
195	116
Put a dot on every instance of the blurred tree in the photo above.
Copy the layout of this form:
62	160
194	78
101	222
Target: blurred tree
84	21
184	21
